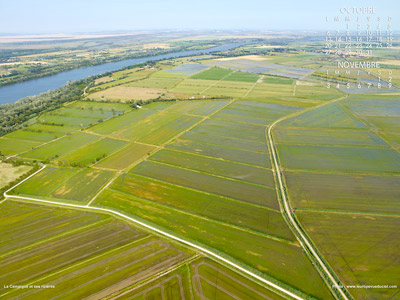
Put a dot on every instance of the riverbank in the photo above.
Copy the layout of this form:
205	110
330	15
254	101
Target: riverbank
14	92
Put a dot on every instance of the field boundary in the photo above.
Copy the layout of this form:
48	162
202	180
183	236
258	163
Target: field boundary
330	278
160	232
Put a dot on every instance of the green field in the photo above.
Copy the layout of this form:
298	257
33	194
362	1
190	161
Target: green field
93	180
369	193
227	128
361	248
277	80
45	182
37	136
255	112
119	124
66	185
212	74
14	146
62	147
215	166
215	282
92	153
201	136
64	248
213	207
81	114
327	137
147	126
159	128
252	249
343	159
173	285
329	116
195	162
197	107
242	76
125	157
221	152
239	190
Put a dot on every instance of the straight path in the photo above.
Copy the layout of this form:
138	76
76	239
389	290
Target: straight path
335	285
215	255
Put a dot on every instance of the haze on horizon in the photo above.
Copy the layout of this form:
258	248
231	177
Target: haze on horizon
47	16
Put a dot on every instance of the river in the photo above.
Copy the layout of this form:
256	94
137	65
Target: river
14	92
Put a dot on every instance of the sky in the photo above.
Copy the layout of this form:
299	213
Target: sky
79	16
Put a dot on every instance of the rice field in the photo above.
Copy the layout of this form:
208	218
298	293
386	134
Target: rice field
187	69
125	157
61	147
14	146
339	159
252	249
224	153
201	170
323	137
344	192
215	166
198	203
329	116
361	248
239	190
93	152
64	248
212	74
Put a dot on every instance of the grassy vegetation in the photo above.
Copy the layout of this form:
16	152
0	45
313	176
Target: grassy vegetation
213	184
9	173
91	179
212	74
345	159
125	157
215	166
242	76
361	248
251	249
369	193
235	189
325	137
174	285
277	80
62	146
213	281
159	128
255	112
45	182
203	204
231	142
196	107
329	116
229	128
92	153
118	254
117	126
221	152
14	146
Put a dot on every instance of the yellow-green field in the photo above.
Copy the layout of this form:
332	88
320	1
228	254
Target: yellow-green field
194	161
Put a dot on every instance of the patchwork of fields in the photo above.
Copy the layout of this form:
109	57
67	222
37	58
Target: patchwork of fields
343	176
200	169
68	246
221	186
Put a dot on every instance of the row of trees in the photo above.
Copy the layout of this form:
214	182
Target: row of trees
15	115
